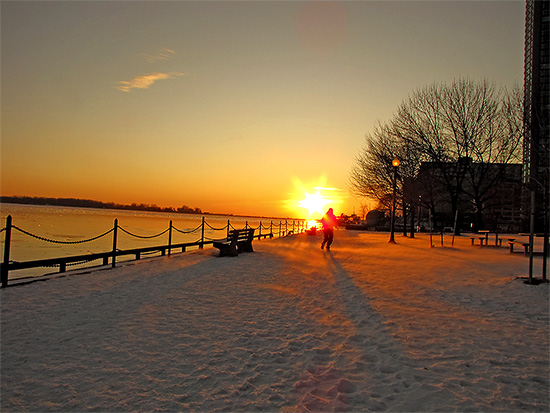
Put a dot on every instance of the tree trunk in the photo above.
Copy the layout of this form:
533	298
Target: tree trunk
434	218
479	215
412	221
404	219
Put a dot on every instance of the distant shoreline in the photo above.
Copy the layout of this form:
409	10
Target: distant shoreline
89	203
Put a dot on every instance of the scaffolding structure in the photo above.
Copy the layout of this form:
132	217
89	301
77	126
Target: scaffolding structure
536	126
536	123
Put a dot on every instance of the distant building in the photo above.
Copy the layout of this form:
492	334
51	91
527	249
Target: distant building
505	210
536	145
486	196
375	219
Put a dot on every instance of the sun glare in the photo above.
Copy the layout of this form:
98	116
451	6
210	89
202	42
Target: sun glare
313	197
312	223
314	203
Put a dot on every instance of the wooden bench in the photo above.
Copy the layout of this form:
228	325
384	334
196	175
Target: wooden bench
525	245
485	239
481	240
238	240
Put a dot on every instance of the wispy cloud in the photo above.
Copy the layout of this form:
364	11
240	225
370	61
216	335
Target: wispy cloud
145	81
162	54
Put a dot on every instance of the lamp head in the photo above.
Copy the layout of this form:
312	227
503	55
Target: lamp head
395	162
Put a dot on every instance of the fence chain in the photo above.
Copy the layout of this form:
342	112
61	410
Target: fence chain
144	236
69	264
57	241
200	241
215	229
213	239
72	264
150	253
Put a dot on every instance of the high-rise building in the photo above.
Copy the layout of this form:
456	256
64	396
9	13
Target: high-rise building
536	146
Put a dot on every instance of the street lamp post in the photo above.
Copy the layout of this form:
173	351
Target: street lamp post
395	164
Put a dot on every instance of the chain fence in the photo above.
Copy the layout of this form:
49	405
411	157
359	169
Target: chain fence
63	262
30	234
188	232
144	236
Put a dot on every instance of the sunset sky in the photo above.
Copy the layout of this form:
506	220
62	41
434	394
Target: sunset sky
237	107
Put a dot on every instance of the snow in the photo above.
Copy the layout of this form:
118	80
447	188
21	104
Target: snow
368	326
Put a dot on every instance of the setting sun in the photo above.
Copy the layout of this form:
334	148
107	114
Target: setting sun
314	203
314	197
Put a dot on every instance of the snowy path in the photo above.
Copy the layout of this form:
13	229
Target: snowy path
367	327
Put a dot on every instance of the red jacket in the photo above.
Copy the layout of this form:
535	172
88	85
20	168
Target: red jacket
328	220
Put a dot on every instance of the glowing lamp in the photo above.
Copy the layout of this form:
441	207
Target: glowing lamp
395	164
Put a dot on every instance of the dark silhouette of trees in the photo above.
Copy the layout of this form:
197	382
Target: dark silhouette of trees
372	174
461	130
88	203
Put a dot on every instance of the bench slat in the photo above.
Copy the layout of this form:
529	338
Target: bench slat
525	246
238	240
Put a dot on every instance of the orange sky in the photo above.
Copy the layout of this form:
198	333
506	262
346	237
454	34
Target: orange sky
231	107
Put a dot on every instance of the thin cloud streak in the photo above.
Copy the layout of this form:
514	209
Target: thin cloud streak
145	81
163	53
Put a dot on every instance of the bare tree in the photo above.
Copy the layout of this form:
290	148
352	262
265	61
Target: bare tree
487	126
372	175
502	148
457	131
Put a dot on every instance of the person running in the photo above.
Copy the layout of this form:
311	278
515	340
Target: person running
329	222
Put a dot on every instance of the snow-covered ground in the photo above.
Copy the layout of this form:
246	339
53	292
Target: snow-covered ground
368	326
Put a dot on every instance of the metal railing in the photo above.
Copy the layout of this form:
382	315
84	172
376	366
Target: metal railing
282	229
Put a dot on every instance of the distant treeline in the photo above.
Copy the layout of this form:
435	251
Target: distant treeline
88	203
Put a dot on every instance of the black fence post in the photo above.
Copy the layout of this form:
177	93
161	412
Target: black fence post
201	245
260	236
115	230
7	241
170	238
227	236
